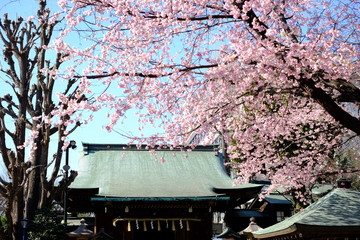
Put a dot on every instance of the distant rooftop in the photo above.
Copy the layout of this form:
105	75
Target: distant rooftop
336	213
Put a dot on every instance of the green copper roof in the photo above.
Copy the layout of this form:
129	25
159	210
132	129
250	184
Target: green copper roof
133	173
338	209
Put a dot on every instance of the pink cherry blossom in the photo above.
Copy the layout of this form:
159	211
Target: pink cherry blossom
271	78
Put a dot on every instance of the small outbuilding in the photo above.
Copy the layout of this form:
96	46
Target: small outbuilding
273	209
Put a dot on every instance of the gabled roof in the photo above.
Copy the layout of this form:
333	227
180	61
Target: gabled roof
127	172
336	213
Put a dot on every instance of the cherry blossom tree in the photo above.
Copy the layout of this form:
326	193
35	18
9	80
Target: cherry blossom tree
278	80
268	76
37	108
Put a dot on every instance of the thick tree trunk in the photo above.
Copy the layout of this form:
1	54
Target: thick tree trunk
14	213
34	185
33	189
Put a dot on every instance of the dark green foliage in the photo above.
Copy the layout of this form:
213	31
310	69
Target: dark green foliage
46	225
3	228
3	224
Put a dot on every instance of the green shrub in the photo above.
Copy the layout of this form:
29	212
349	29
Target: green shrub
46	225
3	227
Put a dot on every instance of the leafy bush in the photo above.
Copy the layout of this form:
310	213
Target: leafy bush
46	225
3	227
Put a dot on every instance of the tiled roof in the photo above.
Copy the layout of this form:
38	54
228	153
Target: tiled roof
339	209
278	199
134	173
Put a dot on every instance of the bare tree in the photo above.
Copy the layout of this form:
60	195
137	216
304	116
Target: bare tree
29	71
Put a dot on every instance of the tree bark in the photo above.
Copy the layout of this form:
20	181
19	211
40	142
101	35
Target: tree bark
330	106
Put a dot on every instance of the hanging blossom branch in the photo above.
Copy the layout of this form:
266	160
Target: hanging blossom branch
144	75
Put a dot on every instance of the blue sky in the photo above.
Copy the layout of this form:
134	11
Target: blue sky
92	132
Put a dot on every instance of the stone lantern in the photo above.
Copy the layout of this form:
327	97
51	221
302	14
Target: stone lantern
81	233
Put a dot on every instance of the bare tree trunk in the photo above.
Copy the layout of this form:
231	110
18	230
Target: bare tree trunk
14	213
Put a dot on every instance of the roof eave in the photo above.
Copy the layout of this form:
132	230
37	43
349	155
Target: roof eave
289	230
158	199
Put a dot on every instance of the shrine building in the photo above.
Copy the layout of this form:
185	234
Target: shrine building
165	194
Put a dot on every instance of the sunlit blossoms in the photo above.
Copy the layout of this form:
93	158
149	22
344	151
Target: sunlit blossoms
272	78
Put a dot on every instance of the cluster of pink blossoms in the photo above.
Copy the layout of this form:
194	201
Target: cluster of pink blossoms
250	71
